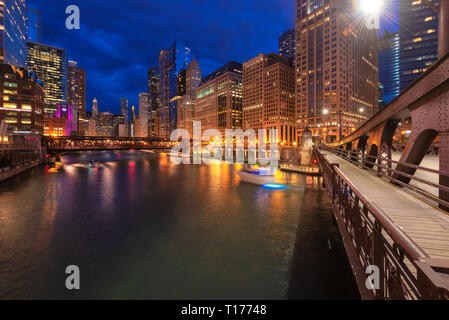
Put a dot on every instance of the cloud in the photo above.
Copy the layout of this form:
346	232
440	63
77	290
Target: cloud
120	40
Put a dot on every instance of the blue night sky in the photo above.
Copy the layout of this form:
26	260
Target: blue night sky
119	40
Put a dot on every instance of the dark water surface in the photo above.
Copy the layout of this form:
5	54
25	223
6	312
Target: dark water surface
141	227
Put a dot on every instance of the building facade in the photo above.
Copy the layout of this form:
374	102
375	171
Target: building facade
13	33
76	90
287	46
269	97
21	101
389	66
418	33
336	69
49	64
218	102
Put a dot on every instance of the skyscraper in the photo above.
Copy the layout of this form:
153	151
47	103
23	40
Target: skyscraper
95	109
218	102
153	88
34	30
76	89
124	110
336	68
13	32
132	123
186	106
144	107
389	66
268	96
418	33
171	62
287	45
193	78
49	64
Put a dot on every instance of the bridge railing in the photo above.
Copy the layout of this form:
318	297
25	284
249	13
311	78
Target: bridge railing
386	168
372	240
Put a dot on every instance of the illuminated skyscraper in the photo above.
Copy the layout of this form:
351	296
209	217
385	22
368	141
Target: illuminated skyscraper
218	103
336	68
144	106
153	88
13	32
418	33
186	105
95	109
34	30
389	66
193	78
76	89
49	64
132	124
268	96
171	62
124	110
287	45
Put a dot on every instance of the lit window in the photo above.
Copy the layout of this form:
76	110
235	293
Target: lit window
10	105
417	39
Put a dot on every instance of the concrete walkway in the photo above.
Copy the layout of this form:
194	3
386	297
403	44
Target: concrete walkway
426	225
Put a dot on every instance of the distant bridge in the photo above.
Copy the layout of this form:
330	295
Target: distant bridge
392	215
56	145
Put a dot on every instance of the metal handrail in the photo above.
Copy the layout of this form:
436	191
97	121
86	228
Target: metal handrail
410	247
348	154
372	238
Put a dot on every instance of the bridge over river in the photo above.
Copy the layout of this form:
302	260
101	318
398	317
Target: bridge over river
392	212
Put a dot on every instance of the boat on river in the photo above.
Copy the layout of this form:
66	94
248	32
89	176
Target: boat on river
257	175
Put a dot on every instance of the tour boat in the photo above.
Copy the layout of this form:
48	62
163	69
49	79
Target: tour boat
257	175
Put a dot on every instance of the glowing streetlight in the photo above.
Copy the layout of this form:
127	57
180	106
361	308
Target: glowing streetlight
371	6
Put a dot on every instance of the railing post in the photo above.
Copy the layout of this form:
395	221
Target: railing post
379	162
379	258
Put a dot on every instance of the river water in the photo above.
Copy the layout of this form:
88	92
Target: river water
140	227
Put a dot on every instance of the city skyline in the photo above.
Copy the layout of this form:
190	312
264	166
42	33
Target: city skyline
240	37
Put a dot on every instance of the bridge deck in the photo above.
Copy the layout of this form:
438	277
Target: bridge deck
425	225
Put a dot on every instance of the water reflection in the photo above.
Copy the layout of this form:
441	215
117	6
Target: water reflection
139	226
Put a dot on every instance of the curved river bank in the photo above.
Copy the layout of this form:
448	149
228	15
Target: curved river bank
141	227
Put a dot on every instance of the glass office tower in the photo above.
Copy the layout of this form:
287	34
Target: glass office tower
49	64
13	32
34	32
389	65
171	62
418	33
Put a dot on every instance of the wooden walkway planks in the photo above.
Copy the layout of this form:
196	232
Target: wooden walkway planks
424	224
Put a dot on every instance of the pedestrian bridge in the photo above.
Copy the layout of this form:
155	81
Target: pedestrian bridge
393	214
57	145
